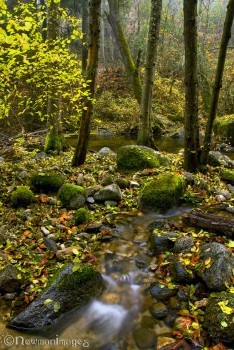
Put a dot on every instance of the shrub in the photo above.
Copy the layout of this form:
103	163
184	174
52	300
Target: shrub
46	182
22	197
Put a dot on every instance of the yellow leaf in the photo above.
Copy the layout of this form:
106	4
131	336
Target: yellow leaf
225	309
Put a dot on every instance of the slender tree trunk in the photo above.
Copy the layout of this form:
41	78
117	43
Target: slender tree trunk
218	81
145	134
113	19
85	28
191	144
92	65
54	139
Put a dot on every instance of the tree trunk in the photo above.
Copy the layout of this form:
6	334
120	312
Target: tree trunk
113	19
85	28
215	223
191	144
92	65
145	134
54	139
218	81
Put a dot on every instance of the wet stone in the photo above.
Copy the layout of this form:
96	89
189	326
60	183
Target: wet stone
161	292
142	261
183	244
144	338
159	310
9	296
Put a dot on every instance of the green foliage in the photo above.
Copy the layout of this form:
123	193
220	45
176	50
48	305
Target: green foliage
70	282
46	182
33	70
67	192
22	197
162	193
224	126
227	175
81	216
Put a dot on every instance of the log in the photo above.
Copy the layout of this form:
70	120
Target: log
216	223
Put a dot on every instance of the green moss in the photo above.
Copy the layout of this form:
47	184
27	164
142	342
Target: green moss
133	158
68	192
46	182
22	197
224	126
53	143
162	193
227	175
81	216
220	324
72	281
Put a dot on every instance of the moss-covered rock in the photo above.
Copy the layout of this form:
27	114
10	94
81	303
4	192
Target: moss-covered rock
161	193
22	197
81	216
72	196
219	323
46	182
224	127
53	143
132	158
227	175
69	291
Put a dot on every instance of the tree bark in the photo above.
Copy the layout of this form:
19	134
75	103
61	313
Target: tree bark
92	65
218	81
54	139
132	71
215	223
191	143
85	28
145	134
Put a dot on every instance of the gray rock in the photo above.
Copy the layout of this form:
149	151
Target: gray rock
50	244
231	188
216	264
1	160
122	182
9	296
24	174
161	292
106	152
161	243
145	338
142	261
111	203
159	310
179	272
216	158
230	209
40	155
90	200
109	193
71	290
107	180
9	279
225	194
178	134
53	201
183	244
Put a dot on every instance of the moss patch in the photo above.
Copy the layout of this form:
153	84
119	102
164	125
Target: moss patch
162	193
53	143
227	175
133	158
224	126
81	216
46	182
72	196
22	197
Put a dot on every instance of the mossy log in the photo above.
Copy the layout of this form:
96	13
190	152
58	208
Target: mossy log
216	223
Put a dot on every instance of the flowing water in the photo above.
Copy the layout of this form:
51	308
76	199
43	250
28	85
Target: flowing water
108	323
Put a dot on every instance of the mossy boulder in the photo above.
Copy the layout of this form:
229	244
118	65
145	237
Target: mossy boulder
227	175
162	193
54	143
219	323
133	158
70	290
81	216
72	196
224	127
22	197
46	182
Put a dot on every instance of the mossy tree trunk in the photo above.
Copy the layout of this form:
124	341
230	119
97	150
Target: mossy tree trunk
191	143
145	134
218	81
131	68
54	139
92	65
